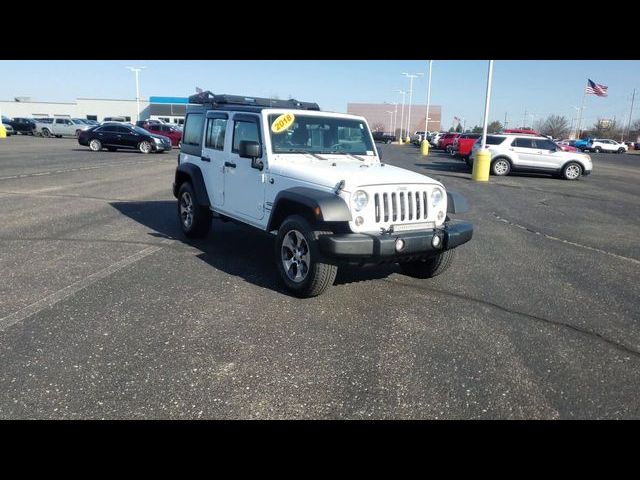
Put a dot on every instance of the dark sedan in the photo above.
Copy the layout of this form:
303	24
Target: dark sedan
113	136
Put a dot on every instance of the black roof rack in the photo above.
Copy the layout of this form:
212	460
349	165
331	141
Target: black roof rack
225	101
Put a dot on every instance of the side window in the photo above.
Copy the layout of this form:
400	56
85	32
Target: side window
244	131
545	145
216	128
193	129
523	143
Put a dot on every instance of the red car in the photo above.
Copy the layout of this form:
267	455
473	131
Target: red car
165	130
446	142
522	130
565	147
463	144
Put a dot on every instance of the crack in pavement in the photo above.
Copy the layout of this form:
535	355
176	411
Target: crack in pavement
562	240
620	346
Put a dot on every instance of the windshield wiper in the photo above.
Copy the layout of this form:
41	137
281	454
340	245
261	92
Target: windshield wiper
304	152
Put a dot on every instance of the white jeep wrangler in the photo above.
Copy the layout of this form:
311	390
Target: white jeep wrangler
315	180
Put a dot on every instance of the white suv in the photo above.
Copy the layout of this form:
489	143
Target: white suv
513	152
315	180
605	145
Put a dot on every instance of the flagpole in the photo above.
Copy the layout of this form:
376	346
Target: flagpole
579	129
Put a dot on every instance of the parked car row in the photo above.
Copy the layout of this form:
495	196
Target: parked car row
116	135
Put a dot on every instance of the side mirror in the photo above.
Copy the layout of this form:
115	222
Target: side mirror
252	150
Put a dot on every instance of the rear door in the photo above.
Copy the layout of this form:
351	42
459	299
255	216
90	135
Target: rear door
216	142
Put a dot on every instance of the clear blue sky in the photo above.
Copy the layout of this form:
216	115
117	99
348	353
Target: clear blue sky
540	87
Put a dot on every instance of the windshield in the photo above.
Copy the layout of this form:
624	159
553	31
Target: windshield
292	133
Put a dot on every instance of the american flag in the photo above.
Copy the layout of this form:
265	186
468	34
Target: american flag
596	89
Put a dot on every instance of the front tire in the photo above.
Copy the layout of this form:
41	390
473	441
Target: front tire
572	171
144	147
621	150
302	267
195	220
46	132
597	150
95	145
431	267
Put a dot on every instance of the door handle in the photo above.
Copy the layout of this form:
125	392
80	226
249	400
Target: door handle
229	164
205	159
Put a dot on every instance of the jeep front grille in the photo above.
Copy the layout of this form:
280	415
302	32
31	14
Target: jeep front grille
400	206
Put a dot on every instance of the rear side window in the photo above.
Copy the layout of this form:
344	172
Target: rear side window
493	140
216	129
193	129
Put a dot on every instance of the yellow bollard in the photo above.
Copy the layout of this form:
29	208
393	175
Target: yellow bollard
481	163
424	148
3	131
407	139
400	140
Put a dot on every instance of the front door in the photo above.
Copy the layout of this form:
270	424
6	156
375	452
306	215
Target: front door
216	143
244	185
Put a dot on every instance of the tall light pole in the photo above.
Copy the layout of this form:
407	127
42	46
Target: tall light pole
395	116
483	156
426	117
390	112
137	71
403	93
410	76
633	97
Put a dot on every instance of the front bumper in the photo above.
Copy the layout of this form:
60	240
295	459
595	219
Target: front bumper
382	247
161	147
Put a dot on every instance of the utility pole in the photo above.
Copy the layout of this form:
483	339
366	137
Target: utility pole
524	119
403	93
630	113
505	120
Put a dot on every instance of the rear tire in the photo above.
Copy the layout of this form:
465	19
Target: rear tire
500	167
621	150
302	267
431	267
195	220
46	133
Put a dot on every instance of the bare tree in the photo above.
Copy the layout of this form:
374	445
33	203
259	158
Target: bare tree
378	127
555	125
494	127
605	128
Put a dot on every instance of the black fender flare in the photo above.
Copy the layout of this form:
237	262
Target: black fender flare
456	203
191	173
323	206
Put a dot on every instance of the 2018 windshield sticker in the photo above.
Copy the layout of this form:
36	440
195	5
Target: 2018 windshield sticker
283	122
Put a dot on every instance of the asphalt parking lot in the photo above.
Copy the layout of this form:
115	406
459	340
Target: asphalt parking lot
106	311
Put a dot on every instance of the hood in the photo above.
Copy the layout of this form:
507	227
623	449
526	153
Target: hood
336	168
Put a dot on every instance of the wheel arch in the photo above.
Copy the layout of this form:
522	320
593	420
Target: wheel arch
314	205
188	172
579	162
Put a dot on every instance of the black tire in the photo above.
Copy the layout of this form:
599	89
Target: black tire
198	223
95	145
387	142
431	267
78	133
572	171
621	150
597	150
145	147
317	275
500	167
46	132
58	136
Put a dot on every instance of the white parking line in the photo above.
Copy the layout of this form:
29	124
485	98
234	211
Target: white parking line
66	292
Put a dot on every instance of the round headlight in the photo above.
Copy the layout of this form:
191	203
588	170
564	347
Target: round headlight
359	199
436	197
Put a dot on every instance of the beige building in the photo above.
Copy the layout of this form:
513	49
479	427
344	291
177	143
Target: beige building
377	114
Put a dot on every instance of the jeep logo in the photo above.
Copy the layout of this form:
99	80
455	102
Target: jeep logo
402	189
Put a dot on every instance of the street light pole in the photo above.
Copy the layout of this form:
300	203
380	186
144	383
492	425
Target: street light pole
402	114
390	112
410	76
427	118
137	71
